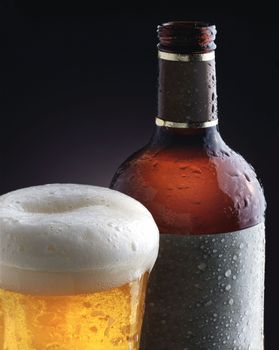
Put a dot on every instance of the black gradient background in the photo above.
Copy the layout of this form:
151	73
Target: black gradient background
78	95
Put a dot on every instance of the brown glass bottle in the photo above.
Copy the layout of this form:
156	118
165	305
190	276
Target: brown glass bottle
206	291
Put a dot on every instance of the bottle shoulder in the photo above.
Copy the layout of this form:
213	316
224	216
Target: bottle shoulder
194	190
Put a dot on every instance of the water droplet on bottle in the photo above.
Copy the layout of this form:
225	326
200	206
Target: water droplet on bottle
202	266
196	170
155	164
182	187
228	287
231	301
228	273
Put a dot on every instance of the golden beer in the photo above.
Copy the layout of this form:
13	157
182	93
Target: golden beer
70	306
108	320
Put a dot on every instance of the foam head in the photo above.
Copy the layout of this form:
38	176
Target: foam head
67	238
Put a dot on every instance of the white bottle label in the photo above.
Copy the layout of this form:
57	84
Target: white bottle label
207	292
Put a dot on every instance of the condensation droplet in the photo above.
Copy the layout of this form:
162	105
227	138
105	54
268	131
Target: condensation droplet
231	301
155	164
202	266
228	287
228	273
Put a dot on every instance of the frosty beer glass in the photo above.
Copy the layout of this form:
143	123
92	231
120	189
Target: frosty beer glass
74	264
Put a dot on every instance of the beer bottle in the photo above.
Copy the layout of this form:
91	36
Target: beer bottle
206	291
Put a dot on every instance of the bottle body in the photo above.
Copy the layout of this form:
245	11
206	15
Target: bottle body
193	183
206	289
209	207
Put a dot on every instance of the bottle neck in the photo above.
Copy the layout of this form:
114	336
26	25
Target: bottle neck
164	137
187	90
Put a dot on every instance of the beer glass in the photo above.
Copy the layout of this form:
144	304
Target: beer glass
74	264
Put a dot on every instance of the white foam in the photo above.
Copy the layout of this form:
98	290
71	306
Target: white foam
67	238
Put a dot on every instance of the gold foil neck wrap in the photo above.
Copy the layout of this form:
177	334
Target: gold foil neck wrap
186	125
195	57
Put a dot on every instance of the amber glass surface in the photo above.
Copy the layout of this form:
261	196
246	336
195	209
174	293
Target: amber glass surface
192	183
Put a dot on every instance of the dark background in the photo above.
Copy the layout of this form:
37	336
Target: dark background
78	95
